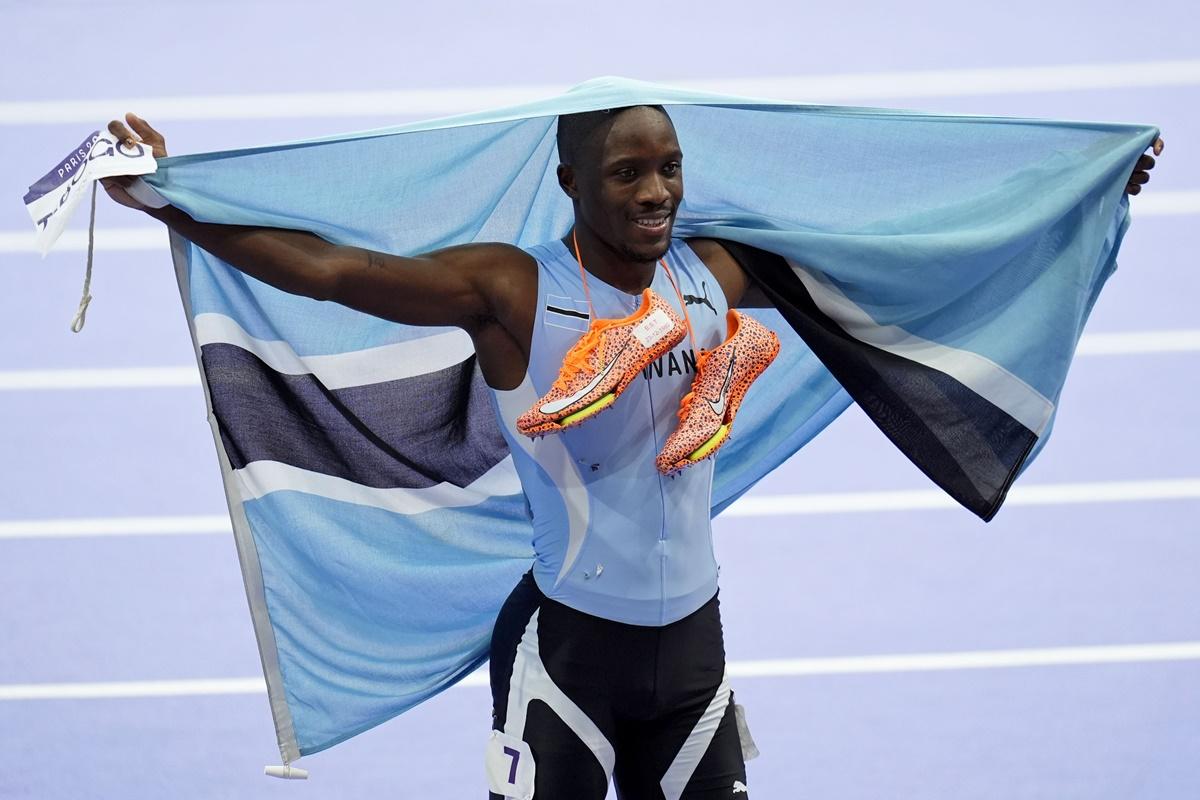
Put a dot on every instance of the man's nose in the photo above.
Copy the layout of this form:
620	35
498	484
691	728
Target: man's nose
652	190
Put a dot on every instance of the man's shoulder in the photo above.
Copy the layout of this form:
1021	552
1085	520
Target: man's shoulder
712	252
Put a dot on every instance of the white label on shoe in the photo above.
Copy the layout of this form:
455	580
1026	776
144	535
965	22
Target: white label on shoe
653	328
510	767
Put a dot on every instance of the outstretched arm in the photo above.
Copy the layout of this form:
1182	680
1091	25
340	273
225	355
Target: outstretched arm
459	286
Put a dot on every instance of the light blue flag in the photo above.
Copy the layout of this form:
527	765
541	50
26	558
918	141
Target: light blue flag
941	267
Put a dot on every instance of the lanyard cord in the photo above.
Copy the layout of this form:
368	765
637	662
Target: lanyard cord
81	313
592	311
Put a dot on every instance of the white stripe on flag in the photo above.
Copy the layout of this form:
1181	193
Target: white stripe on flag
261	478
1156	652
356	368
982	375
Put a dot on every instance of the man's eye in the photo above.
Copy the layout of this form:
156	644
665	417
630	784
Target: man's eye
672	168
626	173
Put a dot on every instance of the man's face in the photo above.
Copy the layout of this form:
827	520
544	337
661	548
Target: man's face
631	183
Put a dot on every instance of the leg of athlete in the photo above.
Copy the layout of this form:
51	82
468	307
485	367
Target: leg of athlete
685	745
551	690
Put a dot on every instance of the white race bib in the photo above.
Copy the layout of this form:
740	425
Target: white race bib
510	767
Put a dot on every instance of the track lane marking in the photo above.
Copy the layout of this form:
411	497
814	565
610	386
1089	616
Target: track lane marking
749	506
434	102
767	668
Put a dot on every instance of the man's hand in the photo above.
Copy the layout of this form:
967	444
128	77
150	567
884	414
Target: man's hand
142	132
1141	170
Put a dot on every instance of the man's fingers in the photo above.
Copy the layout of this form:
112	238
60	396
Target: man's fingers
1139	178
150	136
1132	188
1145	162
1158	146
118	129
143	128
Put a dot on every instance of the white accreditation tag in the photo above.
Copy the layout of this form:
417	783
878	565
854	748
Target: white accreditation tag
510	767
53	199
654	327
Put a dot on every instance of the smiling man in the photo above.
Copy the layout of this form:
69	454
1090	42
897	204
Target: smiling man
607	658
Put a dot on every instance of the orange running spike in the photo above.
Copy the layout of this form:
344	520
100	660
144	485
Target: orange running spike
723	375
603	363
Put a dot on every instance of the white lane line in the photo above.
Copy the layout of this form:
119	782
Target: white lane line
1138	343
933	499
770	668
130	689
417	103
107	240
88	527
1164	204
750	506
977	659
98	378
1093	344
1153	204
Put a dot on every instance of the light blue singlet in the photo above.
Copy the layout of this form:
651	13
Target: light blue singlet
612	537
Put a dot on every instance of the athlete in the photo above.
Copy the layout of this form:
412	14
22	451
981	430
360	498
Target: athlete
607	660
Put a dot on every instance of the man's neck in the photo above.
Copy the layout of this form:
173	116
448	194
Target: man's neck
608	264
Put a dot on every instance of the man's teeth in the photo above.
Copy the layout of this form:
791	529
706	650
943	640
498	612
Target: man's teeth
656	222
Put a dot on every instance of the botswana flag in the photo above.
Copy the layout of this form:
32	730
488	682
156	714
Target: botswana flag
936	269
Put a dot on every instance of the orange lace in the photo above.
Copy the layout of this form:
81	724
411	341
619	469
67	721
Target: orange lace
592	311
578	358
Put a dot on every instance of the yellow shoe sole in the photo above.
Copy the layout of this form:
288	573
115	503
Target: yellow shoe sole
706	449
587	411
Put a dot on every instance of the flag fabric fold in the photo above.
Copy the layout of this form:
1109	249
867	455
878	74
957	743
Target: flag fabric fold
937	270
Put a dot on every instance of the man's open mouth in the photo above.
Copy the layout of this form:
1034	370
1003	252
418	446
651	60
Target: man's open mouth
653	222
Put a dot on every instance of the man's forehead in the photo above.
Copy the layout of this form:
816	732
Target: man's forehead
641	131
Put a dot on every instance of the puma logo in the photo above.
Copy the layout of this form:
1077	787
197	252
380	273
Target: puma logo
693	300
740	788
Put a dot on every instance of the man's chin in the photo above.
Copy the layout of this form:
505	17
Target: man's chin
644	254
646	251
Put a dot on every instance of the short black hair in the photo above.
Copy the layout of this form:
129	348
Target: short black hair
574	129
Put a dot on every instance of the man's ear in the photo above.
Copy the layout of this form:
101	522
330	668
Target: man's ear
566	179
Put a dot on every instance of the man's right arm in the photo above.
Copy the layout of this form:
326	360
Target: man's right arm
457	286
475	287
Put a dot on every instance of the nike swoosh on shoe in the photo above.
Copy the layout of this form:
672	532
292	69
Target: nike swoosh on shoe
718	407
554	406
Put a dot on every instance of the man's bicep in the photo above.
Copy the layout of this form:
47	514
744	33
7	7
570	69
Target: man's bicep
454	286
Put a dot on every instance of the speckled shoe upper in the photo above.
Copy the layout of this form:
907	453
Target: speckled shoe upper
724	375
602	363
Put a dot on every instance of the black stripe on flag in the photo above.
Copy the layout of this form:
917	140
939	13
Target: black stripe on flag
413	432
967	445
